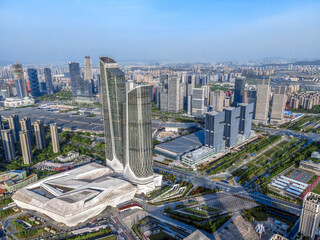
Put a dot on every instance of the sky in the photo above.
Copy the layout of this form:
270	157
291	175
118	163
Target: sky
42	31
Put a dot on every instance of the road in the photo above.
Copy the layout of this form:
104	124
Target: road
311	136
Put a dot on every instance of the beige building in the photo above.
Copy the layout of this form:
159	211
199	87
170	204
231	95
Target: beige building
262	104
25	146
55	137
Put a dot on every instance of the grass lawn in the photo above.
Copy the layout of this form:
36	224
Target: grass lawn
111	237
317	189
161	236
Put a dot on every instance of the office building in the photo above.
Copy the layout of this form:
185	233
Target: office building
231	127
310	216
43	88
246	116
19	84
174	97
8	144
88	75
34	82
25	125
278	104
14	125
114	112
25	147
55	137
48	80
139	167
164	100
214	126
1	127
40	134
251	97
75	77
18	75
239	91
262	103
127	122
198	108
217	100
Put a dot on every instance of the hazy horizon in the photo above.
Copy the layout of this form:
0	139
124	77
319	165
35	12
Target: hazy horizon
159	31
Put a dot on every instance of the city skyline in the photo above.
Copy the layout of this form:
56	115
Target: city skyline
149	31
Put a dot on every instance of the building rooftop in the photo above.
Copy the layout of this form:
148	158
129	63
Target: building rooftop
313	197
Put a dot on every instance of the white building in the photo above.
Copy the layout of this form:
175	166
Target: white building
17	102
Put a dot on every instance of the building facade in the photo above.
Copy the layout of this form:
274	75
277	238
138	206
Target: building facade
8	144
239	91
246	116
48	80
214	125
75	77
278	103
26	147
34	82
40	134
198	107
14	125
262	103
231	127
55	137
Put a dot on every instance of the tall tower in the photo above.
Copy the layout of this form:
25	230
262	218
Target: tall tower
75	77
214	125
239	89
278	103
14	126
262	103
40	134
18	75
19	84
198	102
48	80
88	75
113	86
217	100
25	147
139	166
174	94
246	115
55	137
231	128
34	82
8	144
310	216
25	124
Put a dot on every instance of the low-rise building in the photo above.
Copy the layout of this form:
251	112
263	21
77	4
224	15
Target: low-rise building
197	156
15	179
17	102
310	166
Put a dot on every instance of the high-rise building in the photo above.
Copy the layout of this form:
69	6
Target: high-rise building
127	124
174	94
75	77
18	75
231	127
8	144
34	82
262	103
88	75
40	134
246	116
1	127
139	167
310	216
43	88
198	108
113	85
19	84
278	103
98	83
252	98
217	100
55	137
214	126
239	90
25	147
48	80
25	125
14	126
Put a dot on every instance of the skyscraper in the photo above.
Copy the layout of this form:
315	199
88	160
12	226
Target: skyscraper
198	108
88	75
25	125
8	144
40	134
139	167
1	127
19	84
214	126
18	75
34	82
278	104
48	80
75	77
25	147
231	127
252	98
174	96
217	100
54	137
246	115
14	126
127	124
310	216
262	103
239	90
113	85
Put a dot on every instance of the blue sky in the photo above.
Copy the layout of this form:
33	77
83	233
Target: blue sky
164	30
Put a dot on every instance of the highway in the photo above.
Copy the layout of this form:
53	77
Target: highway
311	136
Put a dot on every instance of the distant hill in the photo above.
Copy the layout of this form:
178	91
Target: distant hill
315	62
5	62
